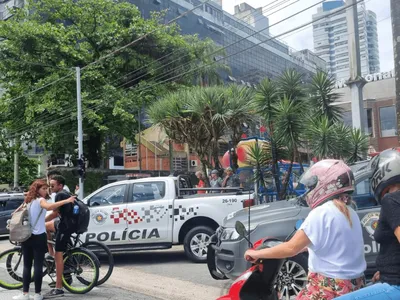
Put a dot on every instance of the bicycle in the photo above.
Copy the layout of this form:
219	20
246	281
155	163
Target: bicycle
74	269
98	247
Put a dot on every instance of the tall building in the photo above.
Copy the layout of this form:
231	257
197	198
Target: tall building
252	16
252	55
330	39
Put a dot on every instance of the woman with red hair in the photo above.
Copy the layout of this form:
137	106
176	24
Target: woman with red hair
35	248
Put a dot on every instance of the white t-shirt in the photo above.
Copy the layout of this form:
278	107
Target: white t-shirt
34	212
53	199
336	249
53	195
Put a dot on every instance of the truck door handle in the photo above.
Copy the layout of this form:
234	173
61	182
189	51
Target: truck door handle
159	206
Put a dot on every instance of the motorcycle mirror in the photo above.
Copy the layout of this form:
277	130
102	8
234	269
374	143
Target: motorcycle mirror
298	223
241	229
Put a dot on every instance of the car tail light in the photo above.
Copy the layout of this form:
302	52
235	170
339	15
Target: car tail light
248	203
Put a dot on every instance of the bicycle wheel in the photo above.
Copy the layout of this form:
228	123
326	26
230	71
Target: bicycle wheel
81	271
11	268
105	269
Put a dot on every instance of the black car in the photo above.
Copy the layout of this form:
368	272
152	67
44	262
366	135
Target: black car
9	202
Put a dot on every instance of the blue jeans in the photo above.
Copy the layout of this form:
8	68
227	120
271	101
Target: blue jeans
377	291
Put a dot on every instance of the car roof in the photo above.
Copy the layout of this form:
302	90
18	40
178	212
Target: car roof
11	195
140	180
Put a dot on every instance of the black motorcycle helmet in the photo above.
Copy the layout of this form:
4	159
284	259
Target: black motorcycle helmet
386	168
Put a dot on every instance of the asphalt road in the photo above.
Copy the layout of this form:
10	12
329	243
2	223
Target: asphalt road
151	275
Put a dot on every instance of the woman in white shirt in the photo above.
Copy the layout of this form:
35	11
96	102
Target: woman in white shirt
332	233
35	248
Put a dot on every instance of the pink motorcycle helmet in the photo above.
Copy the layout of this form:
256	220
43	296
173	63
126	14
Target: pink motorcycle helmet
326	179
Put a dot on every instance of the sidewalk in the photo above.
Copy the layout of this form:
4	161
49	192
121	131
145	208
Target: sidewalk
101	293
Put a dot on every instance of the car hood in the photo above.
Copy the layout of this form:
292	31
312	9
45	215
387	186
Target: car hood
263	212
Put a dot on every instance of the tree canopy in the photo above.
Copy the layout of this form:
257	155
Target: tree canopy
46	40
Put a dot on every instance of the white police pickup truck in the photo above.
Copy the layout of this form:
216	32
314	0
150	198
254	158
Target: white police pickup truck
158	212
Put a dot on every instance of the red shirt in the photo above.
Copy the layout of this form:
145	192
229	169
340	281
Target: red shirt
201	184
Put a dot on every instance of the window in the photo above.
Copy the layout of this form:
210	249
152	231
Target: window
13	204
148	191
362	188
387	116
109	196
10	204
362	194
369	126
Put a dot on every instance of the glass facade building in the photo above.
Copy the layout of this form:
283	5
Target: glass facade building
251	53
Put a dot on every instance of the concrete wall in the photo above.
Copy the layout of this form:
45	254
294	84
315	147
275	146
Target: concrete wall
376	94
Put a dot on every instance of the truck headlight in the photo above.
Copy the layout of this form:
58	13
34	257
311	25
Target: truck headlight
229	234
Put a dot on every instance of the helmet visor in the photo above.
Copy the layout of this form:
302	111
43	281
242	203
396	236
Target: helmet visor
309	180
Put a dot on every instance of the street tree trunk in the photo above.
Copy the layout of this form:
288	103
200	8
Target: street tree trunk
395	11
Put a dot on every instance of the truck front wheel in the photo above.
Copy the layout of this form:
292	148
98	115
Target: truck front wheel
196	242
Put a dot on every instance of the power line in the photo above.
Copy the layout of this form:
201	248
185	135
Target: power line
173	52
277	5
246	49
289	31
112	53
234	43
41	88
156	84
144	36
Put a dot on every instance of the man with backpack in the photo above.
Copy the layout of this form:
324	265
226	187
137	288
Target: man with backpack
63	228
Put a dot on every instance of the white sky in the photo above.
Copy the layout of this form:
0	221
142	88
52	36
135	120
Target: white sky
304	38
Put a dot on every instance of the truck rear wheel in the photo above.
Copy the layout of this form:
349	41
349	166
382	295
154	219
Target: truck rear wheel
196	242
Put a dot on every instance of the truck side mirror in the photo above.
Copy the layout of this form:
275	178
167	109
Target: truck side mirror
241	229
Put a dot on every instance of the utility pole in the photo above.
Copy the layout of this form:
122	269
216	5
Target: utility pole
139	151
395	12
171	156
355	82
16	163
80	131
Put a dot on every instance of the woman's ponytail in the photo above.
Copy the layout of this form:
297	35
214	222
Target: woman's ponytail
342	203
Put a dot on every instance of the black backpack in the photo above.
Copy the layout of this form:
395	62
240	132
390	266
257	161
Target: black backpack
82	218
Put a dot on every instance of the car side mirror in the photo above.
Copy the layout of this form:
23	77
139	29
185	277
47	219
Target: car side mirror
241	229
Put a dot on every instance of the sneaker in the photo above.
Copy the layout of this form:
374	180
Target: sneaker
54	293
38	297
21	296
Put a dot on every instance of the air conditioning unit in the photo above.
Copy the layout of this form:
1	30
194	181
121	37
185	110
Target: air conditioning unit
193	163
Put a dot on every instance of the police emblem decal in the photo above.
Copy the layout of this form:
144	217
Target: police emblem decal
370	223
99	217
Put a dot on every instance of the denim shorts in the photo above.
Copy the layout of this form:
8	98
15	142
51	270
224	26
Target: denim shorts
377	291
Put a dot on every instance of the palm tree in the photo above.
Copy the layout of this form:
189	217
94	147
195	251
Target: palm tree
322	137
291	85
259	157
342	134
337	140
289	122
358	146
266	97
239	106
182	125
323	96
